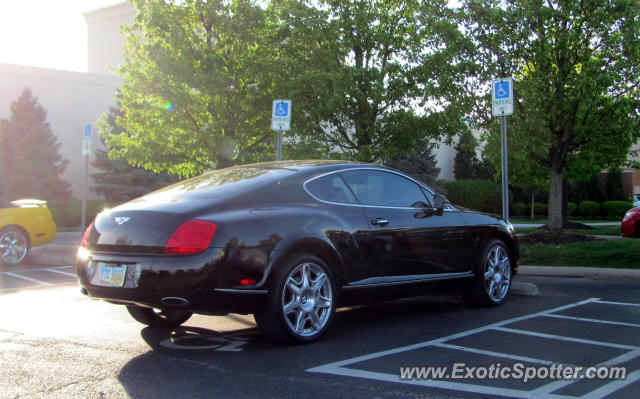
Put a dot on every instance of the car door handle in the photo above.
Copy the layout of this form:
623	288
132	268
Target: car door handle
379	222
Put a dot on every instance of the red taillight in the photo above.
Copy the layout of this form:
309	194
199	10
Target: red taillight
191	237
248	281
85	238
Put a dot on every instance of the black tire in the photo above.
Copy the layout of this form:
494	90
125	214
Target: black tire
165	318
14	245
493	274
304	316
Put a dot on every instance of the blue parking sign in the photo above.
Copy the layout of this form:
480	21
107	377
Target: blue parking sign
282	109
87	130
502	97
502	89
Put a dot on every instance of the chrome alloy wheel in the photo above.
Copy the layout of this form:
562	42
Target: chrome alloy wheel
13	246
307	298
497	273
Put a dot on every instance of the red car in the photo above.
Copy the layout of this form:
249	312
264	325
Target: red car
630	225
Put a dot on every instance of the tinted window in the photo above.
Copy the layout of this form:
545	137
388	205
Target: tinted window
383	188
221	183
331	188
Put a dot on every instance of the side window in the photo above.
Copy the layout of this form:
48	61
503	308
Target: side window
380	188
331	188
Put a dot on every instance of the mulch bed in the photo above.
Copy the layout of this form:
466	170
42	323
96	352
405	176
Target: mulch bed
555	237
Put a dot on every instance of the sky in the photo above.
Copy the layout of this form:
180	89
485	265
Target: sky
46	33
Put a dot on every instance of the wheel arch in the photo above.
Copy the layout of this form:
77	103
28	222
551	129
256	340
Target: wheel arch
21	229
319	248
509	242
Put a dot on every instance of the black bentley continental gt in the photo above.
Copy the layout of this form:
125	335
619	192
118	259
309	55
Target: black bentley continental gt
289	241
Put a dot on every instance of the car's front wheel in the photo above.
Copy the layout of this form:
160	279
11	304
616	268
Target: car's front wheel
492	281
301	301
166	318
14	245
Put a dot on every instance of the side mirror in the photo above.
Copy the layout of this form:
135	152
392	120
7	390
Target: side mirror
438	204
437	209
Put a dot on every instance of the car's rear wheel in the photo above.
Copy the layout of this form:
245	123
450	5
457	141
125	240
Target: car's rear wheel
14	245
166	318
301	301
492	281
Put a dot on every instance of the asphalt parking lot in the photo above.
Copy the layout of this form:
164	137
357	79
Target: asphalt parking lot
57	343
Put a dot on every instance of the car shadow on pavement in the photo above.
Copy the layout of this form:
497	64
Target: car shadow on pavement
204	362
197	338
378	319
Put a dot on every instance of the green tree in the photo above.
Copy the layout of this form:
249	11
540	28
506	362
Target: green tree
371	79
192	97
575	65
29	159
614	187
118	180
421	164
466	164
463	163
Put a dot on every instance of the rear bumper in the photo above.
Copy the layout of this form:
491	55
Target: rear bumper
207	283
628	228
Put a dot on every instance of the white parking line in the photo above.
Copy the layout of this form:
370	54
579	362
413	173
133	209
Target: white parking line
61	272
340	367
33	280
564	338
444	339
613	386
495	354
616	323
618	303
556	385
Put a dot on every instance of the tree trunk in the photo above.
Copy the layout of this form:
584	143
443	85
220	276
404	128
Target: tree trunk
533	205
555	200
565	213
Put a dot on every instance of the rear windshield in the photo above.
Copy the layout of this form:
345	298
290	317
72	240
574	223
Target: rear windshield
221	183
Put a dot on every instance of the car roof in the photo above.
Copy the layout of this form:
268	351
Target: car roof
308	167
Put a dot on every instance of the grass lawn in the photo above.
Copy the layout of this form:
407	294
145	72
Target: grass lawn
544	221
596	231
621	254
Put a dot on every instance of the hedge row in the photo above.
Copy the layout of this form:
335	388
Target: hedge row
479	195
588	209
70	215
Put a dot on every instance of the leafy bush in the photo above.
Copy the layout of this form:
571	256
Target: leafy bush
572	208
540	209
615	209
481	195
518	209
70	215
614	188
589	209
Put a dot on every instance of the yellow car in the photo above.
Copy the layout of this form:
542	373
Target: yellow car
23	224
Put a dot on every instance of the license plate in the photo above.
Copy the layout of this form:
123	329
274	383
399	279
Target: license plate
110	274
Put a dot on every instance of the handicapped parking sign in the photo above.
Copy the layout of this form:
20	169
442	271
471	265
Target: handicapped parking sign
281	115
282	109
502	89
502	97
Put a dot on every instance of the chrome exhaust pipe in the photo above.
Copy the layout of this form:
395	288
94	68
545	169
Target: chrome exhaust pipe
174	301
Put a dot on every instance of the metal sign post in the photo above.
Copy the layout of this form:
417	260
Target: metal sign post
280	120
86	152
502	105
